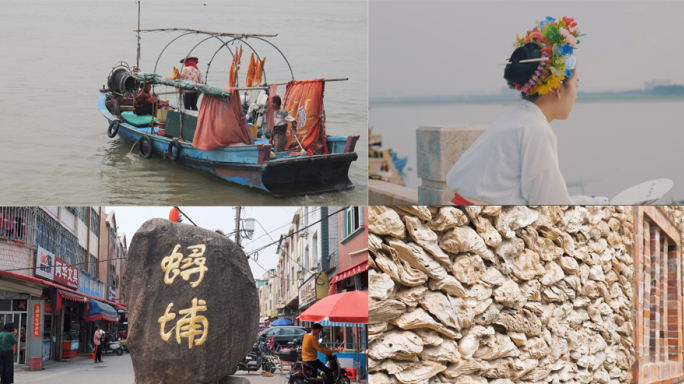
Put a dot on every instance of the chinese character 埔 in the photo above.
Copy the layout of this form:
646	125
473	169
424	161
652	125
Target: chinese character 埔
189	326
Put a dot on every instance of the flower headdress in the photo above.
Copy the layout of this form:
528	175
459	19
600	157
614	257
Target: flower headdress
557	40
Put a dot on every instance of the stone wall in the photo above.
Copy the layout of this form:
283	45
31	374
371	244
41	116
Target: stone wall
492	295
16	258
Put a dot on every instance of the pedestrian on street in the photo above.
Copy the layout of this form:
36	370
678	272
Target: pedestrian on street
98	340
8	340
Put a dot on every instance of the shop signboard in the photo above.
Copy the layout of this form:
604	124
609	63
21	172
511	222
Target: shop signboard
307	292
65	273
45	262
48	307
36	320
112	294
91	286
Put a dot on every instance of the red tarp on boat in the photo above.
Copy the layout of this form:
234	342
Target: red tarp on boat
220	123
304	102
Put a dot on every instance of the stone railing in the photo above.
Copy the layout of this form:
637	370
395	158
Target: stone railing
437	150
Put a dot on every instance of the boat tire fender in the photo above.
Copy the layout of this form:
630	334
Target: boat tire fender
141	148
113	128
174	156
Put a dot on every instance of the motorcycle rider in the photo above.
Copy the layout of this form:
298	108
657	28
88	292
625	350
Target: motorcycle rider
309	348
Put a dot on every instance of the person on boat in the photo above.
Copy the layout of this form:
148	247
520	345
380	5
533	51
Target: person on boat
144	101
515	160
191	73
385	173
280	119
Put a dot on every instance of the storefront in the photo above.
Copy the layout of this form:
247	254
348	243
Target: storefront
75	306
21	303
348	340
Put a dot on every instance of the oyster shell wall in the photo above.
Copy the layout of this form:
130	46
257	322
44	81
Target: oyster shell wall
501	295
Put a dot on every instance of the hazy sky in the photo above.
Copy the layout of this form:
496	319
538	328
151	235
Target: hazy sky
129	219
452	47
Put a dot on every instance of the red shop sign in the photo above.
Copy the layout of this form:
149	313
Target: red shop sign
66	273
36	320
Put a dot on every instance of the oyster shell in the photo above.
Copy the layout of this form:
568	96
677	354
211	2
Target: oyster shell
447	218
385	221
465	239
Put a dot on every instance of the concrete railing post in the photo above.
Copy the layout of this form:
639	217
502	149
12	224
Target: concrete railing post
437	149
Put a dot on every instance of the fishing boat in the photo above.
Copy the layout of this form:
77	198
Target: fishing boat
312	163
376	151
384	164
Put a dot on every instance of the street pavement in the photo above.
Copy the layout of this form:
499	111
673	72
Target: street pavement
113	370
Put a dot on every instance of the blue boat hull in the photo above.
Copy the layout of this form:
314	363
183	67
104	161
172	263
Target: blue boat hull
251	165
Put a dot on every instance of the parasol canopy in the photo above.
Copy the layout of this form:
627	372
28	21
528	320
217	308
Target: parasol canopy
281	322
346	307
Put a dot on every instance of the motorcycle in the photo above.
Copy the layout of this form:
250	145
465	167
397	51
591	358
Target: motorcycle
113	346
256	361
303	373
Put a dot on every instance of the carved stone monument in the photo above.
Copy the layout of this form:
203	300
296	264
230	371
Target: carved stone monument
193	304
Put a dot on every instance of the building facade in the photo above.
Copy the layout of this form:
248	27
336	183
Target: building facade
50	261
352	251
659	324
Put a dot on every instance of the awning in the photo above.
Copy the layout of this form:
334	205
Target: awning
91	298
101	311
15	282
62	295
327	323
358	268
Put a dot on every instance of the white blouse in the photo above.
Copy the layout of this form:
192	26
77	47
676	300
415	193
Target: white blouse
514	162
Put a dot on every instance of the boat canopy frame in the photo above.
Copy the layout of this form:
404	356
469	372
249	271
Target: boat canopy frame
218	35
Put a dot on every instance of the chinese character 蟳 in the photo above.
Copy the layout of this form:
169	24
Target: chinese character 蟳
171	265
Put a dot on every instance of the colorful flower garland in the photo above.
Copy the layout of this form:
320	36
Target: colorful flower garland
557	40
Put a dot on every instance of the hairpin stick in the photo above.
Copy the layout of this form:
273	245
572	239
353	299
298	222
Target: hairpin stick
526	61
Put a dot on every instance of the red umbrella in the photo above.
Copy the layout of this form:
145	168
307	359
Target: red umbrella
345	307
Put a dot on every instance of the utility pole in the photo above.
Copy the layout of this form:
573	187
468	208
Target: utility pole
237	226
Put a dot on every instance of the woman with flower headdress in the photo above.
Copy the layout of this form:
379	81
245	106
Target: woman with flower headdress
515	161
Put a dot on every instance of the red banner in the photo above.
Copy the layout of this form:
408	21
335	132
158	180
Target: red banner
304	102
36	320
66	273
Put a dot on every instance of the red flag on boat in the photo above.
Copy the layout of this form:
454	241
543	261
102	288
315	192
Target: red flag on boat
250	72
304	101
233	74
259	71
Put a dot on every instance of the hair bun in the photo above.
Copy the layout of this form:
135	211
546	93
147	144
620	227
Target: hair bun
520	73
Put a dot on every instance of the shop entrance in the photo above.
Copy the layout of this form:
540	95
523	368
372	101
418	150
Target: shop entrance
16	311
